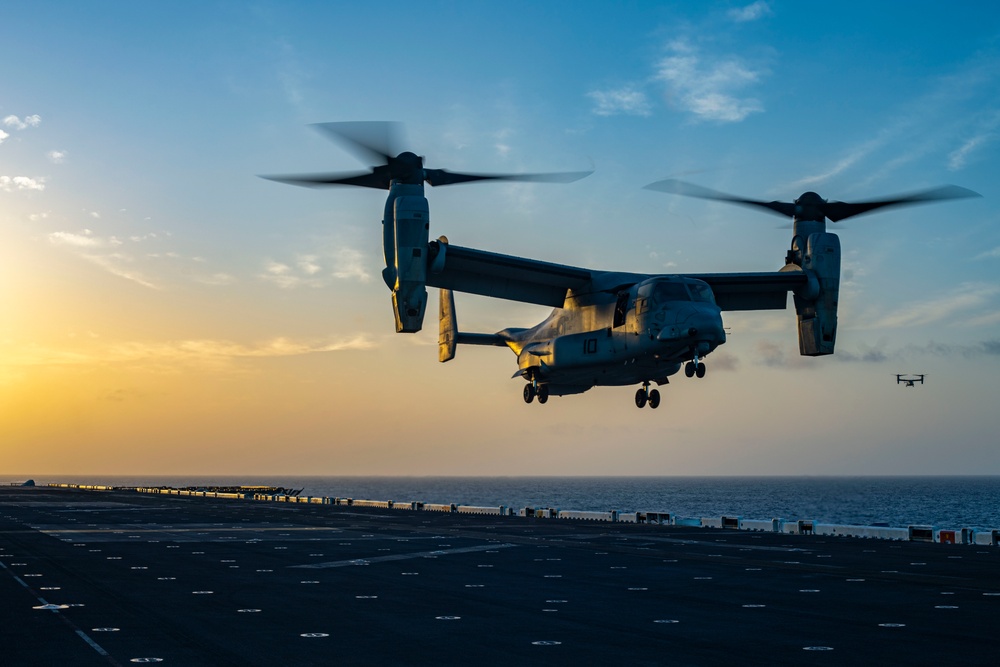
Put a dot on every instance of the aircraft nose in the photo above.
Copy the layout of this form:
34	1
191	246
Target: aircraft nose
699	326
707	326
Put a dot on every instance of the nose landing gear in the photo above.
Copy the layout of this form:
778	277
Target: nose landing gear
695	367
646	395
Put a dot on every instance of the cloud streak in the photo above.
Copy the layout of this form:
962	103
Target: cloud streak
317	269
192	352
948	306
123	256
931	124
985	133
989	254
752	12
627	101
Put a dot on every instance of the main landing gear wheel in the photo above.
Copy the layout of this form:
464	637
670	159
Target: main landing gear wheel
654	399
641	398
691	369
531	391
645	396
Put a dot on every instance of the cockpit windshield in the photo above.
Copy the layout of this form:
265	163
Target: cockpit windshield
668	291
664	291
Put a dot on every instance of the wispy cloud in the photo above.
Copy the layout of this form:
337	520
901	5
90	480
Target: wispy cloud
989	254
627	101
87	246
350	264
948	306
12	183
131	258
882	353
779	355
752	12
165	354
985	348
936	123
985	133
57	157
84	239
317	269
709	86
215	279
289	71
853	156
281	275
19	124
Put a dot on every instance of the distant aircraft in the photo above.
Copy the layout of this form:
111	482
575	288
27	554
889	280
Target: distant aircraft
910	381
608	328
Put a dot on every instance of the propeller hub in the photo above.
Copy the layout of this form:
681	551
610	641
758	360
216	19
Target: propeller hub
407	168
810	206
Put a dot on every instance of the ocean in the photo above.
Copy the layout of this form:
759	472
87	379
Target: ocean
945	502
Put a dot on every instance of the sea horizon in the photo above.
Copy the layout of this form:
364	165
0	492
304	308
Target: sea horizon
950	501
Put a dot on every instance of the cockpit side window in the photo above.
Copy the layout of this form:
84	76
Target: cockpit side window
621	308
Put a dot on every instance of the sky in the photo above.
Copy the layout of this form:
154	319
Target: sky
164	311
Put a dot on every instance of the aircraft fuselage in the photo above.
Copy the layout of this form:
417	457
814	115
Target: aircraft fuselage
638	333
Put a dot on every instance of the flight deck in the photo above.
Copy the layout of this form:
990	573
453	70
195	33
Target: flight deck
119	577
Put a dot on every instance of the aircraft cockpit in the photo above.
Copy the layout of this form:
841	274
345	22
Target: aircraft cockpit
659	291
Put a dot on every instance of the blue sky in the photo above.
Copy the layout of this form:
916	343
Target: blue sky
165	310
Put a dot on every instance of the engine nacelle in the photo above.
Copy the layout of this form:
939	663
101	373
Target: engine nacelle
411	222
816	306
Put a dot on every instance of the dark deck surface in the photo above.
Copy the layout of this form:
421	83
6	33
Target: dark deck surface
200	581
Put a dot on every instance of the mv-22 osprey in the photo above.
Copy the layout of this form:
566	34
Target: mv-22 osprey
608	328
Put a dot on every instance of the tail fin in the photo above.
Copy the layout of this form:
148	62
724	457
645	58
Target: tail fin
449	336
447	327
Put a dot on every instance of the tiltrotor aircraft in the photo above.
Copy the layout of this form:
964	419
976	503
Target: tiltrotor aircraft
910	381
608	328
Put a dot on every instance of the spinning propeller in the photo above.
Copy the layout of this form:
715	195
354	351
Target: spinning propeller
375	142
810	206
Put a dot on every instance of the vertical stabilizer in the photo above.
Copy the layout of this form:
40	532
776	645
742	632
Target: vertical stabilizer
447	327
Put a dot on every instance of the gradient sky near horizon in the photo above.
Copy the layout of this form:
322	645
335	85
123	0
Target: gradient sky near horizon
165	311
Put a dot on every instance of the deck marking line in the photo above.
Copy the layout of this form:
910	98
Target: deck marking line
94	645
385	559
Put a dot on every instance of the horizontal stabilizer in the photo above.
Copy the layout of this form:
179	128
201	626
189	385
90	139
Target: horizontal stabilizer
481	339
449	336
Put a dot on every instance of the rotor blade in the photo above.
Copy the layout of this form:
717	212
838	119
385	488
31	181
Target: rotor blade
377	178
373	142
836	210
442	177
676	187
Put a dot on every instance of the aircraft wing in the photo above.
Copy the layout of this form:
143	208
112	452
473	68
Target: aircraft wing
752	291
544	283
502	276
